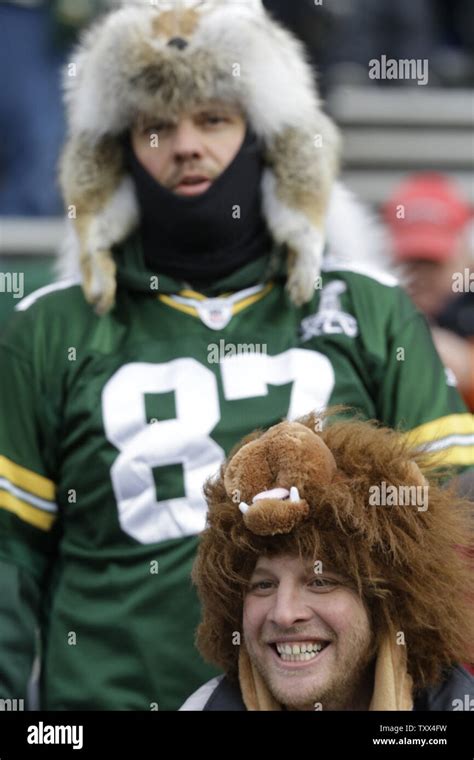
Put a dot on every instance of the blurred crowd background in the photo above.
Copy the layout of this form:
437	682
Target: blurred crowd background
408	147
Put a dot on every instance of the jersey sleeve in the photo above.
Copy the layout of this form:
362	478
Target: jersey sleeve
418	395
28	511
20	602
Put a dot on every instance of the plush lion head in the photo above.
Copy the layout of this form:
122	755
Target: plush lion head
297	490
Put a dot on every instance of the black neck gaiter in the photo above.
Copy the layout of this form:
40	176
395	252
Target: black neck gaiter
200	239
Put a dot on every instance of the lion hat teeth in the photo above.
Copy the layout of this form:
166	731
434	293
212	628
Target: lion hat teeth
277	508
165	57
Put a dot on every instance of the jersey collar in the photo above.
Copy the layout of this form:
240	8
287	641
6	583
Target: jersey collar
215	313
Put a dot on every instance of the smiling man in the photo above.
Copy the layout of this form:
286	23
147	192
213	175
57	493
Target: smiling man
308	635
315	599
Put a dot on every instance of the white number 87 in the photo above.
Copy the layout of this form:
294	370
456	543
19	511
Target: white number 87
186	440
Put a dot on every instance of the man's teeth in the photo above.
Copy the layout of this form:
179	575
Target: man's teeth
299	652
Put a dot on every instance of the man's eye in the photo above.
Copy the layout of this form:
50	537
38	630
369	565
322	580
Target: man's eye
158	127
213	119
261	586
323	584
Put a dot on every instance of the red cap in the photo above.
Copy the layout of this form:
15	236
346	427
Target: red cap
433	214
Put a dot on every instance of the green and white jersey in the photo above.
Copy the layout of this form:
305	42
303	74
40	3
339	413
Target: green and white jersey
110	425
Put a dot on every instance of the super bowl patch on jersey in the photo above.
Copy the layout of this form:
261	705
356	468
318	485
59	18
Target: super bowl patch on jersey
330	318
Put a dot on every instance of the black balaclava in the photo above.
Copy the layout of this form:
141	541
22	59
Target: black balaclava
197	239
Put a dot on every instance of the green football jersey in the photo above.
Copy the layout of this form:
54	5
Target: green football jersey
110	425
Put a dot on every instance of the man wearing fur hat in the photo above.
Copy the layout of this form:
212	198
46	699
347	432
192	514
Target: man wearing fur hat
317	596
198	175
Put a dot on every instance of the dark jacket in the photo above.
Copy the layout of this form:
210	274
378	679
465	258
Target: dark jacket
456	692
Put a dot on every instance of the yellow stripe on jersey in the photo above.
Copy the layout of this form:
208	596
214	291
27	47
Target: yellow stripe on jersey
252	299
198	296
28	480
452	435
180	306
459	455
33	515
192	294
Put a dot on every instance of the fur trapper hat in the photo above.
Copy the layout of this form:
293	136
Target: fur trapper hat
152	58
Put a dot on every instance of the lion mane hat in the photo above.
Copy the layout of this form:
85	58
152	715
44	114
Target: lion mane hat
299	490
161	58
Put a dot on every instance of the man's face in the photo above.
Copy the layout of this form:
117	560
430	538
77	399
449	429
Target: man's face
188	154
429	283
289	607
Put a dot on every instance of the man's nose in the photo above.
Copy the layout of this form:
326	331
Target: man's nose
289	607
187	143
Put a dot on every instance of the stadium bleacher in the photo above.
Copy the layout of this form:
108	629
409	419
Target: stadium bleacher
389	133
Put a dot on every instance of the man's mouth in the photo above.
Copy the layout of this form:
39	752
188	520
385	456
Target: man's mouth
299	651
193	184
